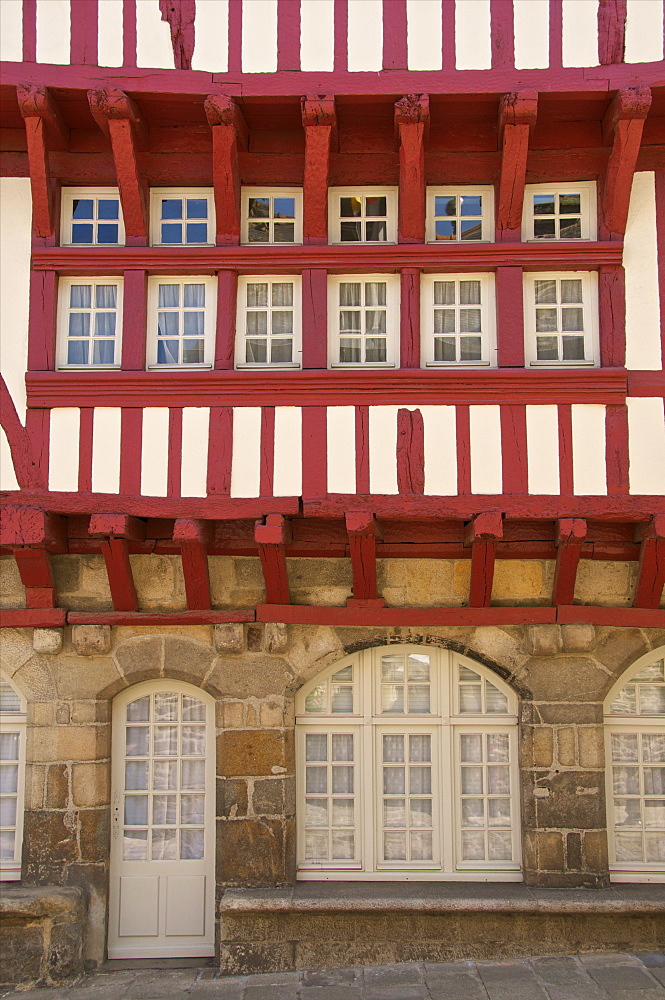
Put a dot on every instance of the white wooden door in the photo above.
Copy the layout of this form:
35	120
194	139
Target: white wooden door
162	884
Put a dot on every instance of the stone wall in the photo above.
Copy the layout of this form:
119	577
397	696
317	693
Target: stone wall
42	933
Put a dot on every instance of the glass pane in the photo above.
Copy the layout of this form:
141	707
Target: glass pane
471	230
105	325
342	746
342	779
543	204
498	812
192	810
375	206
194	296
445	205
627	812
394	847
626	780
652	699
350	293
498	780
82	208
470	698
164	810
165	775
375	350
284	232
500	847
345	674
473	846
498	747
257	324
654	780
316	846
351	232
471	747
80	296
107	208
192	352
394	812
197	232
191	845
392	668
569	204
284	208
473	812
172	232
281	352
624	747
545	290
625	702
136	775
169	296
653	747
469	320
342	812
495	701
655	847
470	349
8	778
471	204
166	707
193	741
135	845
375	293
349	351
466	674
573	348
165	741
571	319
79	325
544	229
316	812
628	846
82	232
282	323
375	232
9	746
164	845
342	845
197	208
107	233
392	698
342	698
547	348
652	672
571	290
168	324
259	208
350	207
469	293
9	699
316	780
420	748
394	781
316	699
137	741
316	746
444	349
193	774
420	812
418	700
654	813
193	710
258	232
445	229
103	352
420	780
570	229
349	321
7	844
171	208
472	781
136	810
421	846
282	293
444	293
546	320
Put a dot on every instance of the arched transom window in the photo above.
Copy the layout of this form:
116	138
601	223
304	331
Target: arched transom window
635	753
407	763
12	769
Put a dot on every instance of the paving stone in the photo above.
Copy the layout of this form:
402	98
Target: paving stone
274	979
340	992
564	979
221	991
456	987
510	981
333	977
652	959
392	975
271	992
148	986
648	994
616	978
405	991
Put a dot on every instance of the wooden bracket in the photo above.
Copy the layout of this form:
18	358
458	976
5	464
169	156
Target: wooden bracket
115	532
116	526
45	131
412	127
517	117
229	135
272	538
35	572
319	121
651	571
38	102
194	537
33	527
623	126
569	536
482	534
363	531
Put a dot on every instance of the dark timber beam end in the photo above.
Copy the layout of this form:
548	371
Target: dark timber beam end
363	531
194	537
272	538
651	571
482	534
569	536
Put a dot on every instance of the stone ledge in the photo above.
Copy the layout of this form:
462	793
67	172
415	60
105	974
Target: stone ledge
43	930
32	902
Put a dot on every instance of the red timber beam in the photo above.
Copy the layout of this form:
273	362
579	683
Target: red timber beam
45	131
32	534
611	31
363	531
412	127
27	470
118	117
622	126
272	538
229	135
482	534
651	570
194	537
517	117
569	536
320	124
115	532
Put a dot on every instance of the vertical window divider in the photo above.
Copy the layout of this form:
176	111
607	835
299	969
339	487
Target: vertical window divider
409	327
314	317
134	319
510	317
225	335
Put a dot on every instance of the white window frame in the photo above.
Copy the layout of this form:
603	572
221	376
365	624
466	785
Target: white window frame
392	319
241	319
69	195
590	306
588	210
265	192
445	723
156	196
486	191
209	323
615	724
64	286
335	220
15	722
488	320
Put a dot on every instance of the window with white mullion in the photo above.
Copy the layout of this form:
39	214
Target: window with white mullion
12	779
330	824
458	322
90	322
362	215
182	216
562	318
181	323
560	211
363	320
408	823
486	791
271	216
268	321
91	217
463	214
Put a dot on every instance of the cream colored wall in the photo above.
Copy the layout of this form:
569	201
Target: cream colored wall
15	236
640	259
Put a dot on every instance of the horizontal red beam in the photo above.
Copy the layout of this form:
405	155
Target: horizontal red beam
292	614
157	617
646	383
617	617
33	618
211	508
611	508
328	388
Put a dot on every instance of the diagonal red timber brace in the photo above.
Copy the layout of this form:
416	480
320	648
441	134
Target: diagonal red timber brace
118	117
272	538
651	571
517	117
569	536
363	531
412	127
229	135
622	126
194	538
482	534
45	131
320	125
116	531
32	534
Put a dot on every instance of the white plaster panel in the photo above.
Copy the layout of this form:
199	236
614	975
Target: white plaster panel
15	237
194	463
542	437
259	36
589	472
8	480
211	50
106	449
341	429
440	450
317	36
532	33
473	45
11	30
53	31
155	451
110	33
246	461
65	428
485	438
365	36
153	37
644	31
646	445
580	33
287	475
423	34
383	449
640	259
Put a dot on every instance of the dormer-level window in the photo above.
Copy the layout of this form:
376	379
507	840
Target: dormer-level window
181	322
561	318
182	217
90	322
362	215
458	319
560	211
460	214
363	314
91	217
271	215
268	323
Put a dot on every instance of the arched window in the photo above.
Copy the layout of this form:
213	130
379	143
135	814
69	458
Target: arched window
407	764
635	755
12	776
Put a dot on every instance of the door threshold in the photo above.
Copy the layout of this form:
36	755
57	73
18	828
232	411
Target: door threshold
128	964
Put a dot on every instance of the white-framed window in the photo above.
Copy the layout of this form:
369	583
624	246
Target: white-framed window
458	320
12	779
271	215
407	766
560	211
460	214
182	216
561	318
635	771
362	215
363	320
268	321
91	217
181	321
89	322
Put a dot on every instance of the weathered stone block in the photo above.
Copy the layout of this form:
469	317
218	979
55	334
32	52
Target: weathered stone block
91	784
592	749
42	932
268	797
575	801
186	660
542	746
568	678
550	851
595	850
229	638
49	837
249	676
57	787
47	640
91	640
251	851
565	746
94	834
271	713
578	638
517	579
275	637
543	640
68	743
574	851
21	952
243	752
76	679
255	638
12	591
251	957
232	798
140	658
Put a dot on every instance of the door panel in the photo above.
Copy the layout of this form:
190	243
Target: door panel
185	905
139	907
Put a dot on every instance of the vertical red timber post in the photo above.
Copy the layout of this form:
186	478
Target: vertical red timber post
363	531
45	131
517	117
229	134
272	539
411	126
32	534
622	126
611	31
482	534
651	572
194	537
115	532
